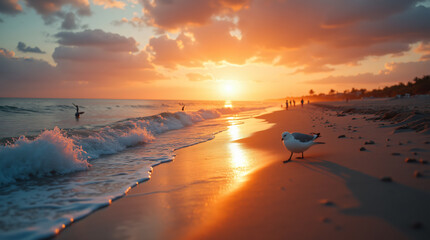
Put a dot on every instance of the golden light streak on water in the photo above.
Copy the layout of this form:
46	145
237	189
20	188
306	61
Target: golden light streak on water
228	104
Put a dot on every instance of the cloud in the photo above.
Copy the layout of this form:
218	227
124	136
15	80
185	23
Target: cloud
138	22
49	7
27	77
173	14
95	53
197	77
27	49
104	61
5	53
11	7
69	22
51	11
110	3
98	38
424	49
211	43
309	35
393	73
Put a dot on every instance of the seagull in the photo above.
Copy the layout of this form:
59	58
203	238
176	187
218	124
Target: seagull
299	142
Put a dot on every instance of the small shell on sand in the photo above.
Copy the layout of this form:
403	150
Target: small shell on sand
326	202
417	174
325	219
386	179
341	136
363	149
410	160
422	161
370	142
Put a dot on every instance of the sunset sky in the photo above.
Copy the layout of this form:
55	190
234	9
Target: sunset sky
208	49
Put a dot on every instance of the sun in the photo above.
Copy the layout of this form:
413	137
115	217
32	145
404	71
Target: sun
228	88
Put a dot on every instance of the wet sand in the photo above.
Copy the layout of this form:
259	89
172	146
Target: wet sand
237	186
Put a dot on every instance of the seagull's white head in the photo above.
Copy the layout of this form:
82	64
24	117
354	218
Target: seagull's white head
285	135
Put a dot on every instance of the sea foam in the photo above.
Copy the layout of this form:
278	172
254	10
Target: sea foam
51	152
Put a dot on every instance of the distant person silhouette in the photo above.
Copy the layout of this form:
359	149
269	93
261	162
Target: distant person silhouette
77	114
286	104
291	103
302	101
294	102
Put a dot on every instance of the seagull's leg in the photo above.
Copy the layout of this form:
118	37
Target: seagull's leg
289	158
302	155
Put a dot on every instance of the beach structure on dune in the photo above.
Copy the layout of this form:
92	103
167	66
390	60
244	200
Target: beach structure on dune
299	142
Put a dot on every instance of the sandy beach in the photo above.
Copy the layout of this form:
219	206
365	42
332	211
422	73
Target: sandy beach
237	186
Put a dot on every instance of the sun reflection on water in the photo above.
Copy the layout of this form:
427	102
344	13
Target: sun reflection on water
239	161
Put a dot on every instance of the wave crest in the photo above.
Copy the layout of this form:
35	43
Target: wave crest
49	153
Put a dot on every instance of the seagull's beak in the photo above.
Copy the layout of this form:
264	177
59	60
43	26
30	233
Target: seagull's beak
282	139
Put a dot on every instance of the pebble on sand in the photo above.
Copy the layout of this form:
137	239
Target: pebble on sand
370	142
417	225
342	136
363	149
386	179
417	174
326	202
410	160
325	219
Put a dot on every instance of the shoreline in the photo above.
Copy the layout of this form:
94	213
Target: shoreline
199	196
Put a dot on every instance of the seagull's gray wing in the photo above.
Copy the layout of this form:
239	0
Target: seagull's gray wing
303	137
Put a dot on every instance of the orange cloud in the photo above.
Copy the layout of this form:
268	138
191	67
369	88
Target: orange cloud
102	61
309	35
210	43
48	7
11	7
110	3
197	77
174	14
424	49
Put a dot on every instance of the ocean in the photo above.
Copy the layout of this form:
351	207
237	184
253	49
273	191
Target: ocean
56	168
